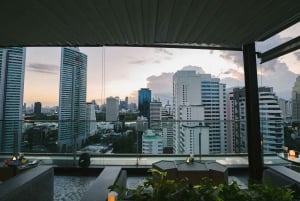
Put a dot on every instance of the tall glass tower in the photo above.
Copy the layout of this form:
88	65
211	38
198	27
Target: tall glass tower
144	102
72	99
12	66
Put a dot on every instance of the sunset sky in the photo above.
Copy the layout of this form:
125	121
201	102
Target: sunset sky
129	69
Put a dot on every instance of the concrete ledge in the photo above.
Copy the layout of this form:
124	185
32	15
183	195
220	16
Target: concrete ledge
99	189
280	176
33	184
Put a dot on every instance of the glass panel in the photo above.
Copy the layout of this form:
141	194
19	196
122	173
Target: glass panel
278	82
192	110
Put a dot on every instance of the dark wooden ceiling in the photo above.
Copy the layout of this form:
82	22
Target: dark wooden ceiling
225	24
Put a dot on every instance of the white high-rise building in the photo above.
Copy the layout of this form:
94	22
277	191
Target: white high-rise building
91	125
199	98
286	108
271	122
112	108
12	70
72	99
194	135
155	119
152	142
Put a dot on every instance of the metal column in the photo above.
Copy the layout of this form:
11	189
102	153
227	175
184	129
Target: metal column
255	156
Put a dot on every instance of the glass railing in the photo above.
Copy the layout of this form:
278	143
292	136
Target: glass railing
134	143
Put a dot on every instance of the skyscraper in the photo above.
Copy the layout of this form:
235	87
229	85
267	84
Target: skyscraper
271	122
167	124
37	108
296	100
72	98
286	108
91	124
144	102
196	99
124	104
155	118
236	120
12	66
112	108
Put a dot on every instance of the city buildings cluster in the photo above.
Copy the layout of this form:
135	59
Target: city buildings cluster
204	117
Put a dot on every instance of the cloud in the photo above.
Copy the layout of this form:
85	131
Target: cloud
274	73
138	61
163	51
271	74
235	74
168	58
232	82
233	56
133	97
161	86
237	56
160	55
233	78
195	68
43	68
268	66
277	75
297	54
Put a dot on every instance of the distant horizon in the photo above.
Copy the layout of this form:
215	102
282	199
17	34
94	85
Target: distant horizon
164	103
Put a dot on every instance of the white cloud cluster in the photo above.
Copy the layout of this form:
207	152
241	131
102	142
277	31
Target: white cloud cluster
297	54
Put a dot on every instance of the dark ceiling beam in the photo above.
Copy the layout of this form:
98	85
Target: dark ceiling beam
280	50
183	46
155	45
180	46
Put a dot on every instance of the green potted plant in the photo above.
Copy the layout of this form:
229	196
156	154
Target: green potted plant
159	188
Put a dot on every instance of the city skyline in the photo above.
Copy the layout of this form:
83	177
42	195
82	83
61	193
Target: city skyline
127	69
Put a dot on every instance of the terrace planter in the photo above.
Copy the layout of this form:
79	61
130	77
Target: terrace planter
159	188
